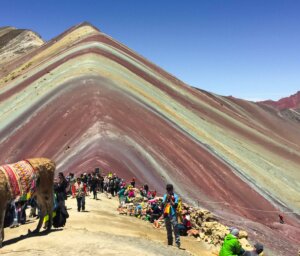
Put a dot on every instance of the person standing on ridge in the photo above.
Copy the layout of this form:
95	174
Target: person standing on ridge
101	182
111	186
94	185
60	188
117	182
169	205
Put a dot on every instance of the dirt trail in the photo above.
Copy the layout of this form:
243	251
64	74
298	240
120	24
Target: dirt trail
99	231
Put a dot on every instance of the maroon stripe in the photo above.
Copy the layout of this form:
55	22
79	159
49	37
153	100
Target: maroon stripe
211	115
12	180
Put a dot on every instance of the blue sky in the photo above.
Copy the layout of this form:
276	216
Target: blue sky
248	49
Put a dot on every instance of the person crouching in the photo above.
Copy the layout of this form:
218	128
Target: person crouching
231	245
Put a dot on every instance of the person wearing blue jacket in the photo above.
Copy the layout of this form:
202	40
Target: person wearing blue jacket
170	203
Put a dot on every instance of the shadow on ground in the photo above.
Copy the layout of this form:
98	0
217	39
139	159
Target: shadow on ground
22	237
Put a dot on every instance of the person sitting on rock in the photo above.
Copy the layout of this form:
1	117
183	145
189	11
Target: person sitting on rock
138	211
144	191
258	249
155	211
149	195
185	226
154	193
231	245
130	192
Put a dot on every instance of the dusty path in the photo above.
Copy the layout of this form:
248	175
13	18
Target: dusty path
99	231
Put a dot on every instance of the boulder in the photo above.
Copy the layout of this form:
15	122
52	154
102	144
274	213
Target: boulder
245	244
202	236
243	234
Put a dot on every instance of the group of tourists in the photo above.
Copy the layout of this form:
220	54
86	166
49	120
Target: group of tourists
112	185
16	211
93	183
167	208
231	245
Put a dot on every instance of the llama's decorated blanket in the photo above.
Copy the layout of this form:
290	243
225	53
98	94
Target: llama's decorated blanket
20	177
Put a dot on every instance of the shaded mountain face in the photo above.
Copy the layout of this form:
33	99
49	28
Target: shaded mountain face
85	101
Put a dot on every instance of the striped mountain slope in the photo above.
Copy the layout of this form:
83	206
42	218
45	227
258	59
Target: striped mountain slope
86	101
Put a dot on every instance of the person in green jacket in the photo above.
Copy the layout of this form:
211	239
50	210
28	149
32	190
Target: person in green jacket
231	245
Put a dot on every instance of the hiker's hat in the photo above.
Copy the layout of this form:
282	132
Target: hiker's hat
234	232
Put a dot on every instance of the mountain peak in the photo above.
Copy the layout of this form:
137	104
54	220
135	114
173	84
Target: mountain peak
290	102
16	42
85	100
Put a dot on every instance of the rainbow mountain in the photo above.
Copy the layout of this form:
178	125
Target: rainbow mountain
85	100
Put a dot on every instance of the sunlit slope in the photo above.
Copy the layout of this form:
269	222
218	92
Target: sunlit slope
14	43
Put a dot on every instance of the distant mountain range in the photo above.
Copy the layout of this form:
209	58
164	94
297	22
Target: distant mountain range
291	102
288	107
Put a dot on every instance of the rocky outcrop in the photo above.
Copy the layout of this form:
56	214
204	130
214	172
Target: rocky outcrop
205	226
14	43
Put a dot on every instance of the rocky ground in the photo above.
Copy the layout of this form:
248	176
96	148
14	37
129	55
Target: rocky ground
99	231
